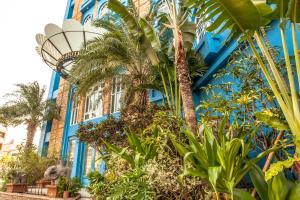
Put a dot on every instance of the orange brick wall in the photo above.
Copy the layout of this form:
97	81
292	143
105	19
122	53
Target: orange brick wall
57	130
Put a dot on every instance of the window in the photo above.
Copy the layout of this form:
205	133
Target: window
98	161
88	19
116	94
103	10
88	160
75	110
94	103
71	152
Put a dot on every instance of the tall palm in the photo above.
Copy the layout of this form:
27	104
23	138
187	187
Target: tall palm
184	34
28	107
117	53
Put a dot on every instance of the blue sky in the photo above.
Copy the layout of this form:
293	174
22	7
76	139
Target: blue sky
20	22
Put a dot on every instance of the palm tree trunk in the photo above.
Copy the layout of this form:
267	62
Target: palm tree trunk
31	129
185	83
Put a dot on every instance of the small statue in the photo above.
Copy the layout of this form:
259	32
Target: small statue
56	171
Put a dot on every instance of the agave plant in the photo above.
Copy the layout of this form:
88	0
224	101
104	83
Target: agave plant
218	159
245	18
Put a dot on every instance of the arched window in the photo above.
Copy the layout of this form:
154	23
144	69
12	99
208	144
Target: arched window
103	10
88	19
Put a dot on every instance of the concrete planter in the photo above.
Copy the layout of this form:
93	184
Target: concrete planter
16	187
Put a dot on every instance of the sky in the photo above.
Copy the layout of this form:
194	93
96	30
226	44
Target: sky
20	22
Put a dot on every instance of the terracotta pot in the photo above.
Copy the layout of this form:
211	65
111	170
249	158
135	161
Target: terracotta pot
16	187
66	195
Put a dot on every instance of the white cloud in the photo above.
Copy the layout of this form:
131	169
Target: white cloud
20	22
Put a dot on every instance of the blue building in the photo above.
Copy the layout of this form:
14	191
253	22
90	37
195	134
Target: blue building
59	136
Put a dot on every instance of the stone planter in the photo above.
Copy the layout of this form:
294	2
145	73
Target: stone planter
52	191
16	187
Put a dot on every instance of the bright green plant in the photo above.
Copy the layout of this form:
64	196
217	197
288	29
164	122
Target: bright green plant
132	186
245	18
98	187
27	161
277	188
72	186
139	152
219	159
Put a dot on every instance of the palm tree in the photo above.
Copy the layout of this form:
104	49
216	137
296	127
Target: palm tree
183	33
28	107
117	53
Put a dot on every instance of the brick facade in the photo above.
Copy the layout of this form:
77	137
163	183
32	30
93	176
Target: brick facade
57	130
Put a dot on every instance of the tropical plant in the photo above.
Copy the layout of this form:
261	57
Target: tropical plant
279	187
184	32
220	159
116	53
139	152
28	107
98	187
72	186
28	162
245	19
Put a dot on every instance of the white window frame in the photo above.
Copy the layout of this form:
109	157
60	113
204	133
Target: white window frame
93	107
75	110
116	95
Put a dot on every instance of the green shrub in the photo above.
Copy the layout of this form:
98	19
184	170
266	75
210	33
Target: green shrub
72	186
28	162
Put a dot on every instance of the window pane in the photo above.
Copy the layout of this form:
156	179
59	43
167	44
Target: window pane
88	160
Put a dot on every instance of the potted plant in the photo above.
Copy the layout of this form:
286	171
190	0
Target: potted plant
17	181
68	187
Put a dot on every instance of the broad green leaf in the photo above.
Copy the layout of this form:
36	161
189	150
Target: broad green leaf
213	175
278	187
150	34
294	193
258	180
238	16
240	194
129	19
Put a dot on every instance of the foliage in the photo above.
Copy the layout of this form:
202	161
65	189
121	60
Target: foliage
246	18
110	129
72	186
28	162
139	152
132	186
219	159
134	118
28	107
278	187
117	53
97	186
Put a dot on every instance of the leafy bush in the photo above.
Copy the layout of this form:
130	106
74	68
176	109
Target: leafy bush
72	186
27	162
